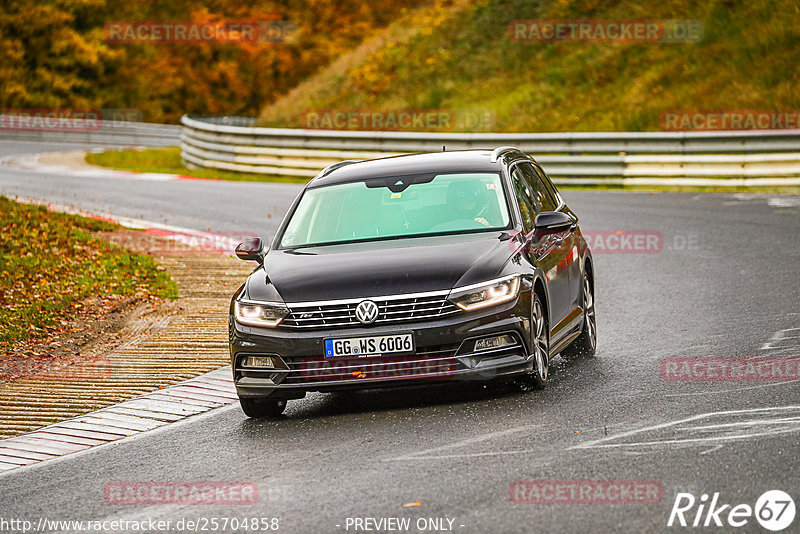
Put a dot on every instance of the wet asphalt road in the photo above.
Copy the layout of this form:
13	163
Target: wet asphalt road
723	284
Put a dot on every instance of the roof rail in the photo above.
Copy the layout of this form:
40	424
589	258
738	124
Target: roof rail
333	166
499	151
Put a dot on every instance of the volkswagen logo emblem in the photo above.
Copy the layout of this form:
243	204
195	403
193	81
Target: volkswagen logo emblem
367	311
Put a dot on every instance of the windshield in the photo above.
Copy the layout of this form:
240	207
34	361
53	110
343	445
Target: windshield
394	207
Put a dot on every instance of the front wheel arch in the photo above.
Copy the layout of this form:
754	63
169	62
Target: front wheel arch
539	288
588	269
539	341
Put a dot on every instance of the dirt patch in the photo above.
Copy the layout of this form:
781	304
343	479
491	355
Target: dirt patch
105	323
69	159
133	347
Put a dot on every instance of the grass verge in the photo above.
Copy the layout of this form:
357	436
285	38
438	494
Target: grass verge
51	264
168	161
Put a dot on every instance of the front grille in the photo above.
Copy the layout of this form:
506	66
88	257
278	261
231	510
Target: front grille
434	360
395	309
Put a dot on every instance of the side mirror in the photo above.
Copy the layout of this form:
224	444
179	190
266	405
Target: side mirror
552	221
251	249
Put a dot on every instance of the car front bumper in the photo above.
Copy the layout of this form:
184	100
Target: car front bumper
444	352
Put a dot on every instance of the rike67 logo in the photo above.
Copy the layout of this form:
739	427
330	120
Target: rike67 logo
774	510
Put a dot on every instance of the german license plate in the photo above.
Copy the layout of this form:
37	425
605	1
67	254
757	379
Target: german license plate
369	346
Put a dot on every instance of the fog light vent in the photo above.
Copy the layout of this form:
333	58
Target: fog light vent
494	342
260	362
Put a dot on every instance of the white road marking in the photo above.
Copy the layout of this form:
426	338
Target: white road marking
31	163
775	201
789	201
712	449
784	425
779	336
426	454
752	422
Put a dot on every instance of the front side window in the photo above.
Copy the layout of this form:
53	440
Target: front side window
401	206
548	185
537	188
522	192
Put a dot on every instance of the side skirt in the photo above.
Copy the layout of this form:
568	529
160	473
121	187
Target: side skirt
569	328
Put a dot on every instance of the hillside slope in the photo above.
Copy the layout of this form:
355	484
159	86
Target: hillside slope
460	56
63	54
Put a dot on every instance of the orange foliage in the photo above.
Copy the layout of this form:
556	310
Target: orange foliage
55	54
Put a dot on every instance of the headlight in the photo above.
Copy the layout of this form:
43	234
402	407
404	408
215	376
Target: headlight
486	294
260	313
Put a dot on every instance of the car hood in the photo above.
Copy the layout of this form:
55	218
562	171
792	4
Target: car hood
378	268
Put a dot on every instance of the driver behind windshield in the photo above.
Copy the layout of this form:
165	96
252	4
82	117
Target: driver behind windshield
468	200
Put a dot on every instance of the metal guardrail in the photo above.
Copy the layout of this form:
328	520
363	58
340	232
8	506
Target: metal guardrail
103	133
771	156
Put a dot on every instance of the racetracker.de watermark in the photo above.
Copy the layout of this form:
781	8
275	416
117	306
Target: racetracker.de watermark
146	524
608	31
66	119
263	31
57	371
610	242
400	120
624	241
711	369
586	492
180	493
368	368
164	242
681	120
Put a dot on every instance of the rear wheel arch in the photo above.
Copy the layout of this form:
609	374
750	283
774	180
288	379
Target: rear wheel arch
586	342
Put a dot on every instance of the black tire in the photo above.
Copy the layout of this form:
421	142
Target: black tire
586	343
262	408
540	342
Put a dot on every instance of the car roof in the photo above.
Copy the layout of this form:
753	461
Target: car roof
436	162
